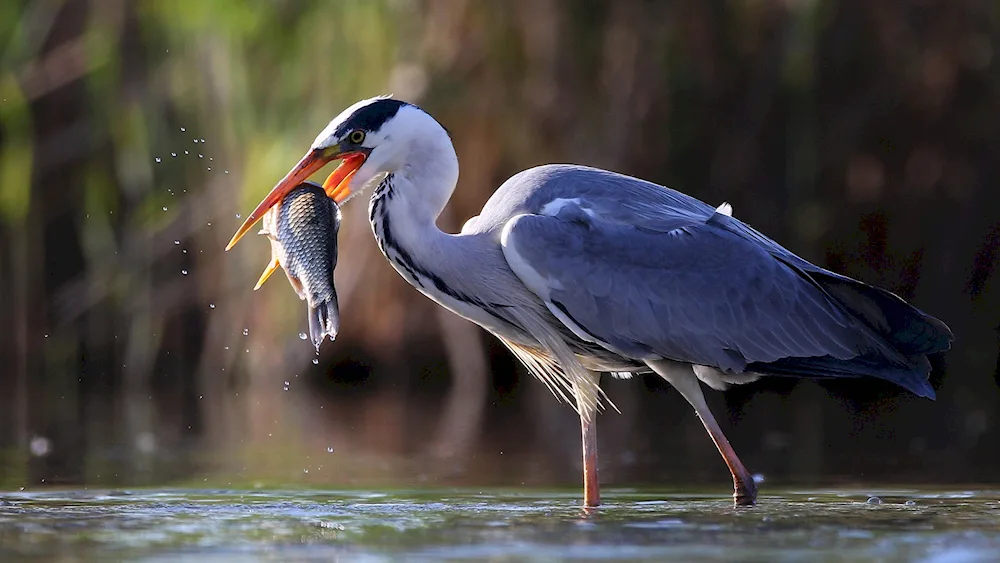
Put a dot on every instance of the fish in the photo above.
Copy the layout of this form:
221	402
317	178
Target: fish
302	229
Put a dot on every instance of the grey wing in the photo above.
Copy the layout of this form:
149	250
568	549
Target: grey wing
694	293
615	198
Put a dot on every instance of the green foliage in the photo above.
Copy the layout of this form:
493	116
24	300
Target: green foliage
15	153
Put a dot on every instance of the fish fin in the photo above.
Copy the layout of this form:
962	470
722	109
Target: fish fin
271	267
324	320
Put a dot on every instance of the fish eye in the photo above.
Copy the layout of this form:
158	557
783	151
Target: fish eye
357	136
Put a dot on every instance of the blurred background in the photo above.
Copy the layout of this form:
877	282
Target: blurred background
862	135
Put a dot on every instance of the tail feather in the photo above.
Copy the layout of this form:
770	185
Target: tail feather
901	336
904	335
907	329
324	320
912	378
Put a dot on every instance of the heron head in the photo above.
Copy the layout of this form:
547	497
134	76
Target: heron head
371	137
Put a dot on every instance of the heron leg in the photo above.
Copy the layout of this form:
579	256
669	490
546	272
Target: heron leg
588	434
682	377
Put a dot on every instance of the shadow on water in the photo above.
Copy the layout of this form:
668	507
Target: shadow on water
821	525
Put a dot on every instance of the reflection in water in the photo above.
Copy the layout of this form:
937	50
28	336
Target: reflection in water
449	524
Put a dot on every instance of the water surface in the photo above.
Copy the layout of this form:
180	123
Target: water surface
432	525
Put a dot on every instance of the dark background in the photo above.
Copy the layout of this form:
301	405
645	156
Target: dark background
862	135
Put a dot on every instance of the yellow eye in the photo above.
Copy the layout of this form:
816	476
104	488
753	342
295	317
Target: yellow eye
357	137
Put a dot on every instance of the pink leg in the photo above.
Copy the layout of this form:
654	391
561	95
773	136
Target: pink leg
591	485
745	489
682	377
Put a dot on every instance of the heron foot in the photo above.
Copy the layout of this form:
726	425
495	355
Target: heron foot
745	492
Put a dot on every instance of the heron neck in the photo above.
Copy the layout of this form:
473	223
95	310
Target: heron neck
405	206
451	269
428	178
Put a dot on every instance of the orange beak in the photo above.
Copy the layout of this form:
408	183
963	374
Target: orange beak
336	185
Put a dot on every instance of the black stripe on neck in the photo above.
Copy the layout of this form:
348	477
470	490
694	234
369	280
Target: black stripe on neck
381	218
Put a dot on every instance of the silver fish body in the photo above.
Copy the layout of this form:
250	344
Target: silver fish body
303	230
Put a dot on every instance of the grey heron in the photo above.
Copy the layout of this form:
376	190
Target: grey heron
581	271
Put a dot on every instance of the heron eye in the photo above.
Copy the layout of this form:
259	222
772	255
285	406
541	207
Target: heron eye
357	136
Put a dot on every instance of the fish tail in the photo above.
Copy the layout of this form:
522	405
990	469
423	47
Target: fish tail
324	320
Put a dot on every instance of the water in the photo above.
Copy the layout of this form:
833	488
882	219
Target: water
434	525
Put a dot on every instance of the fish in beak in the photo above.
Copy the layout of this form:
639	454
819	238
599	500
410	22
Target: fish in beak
302	228
336	186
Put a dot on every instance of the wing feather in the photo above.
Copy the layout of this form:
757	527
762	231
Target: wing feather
693	293
652	272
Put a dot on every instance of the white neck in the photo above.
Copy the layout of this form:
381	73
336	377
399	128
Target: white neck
431	169
454	270
423	173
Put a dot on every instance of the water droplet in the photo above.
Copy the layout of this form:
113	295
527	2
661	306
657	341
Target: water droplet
46	336
40	446
329	450
227	347
203	140
173	154
873	500
210	158
305	470
184	272
183	129
185	152
164	207
226	171
315	361
237	215
184	251
177	242
209	168
302	336
246	331
201	156
158	159
211	305
910	503
196	140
